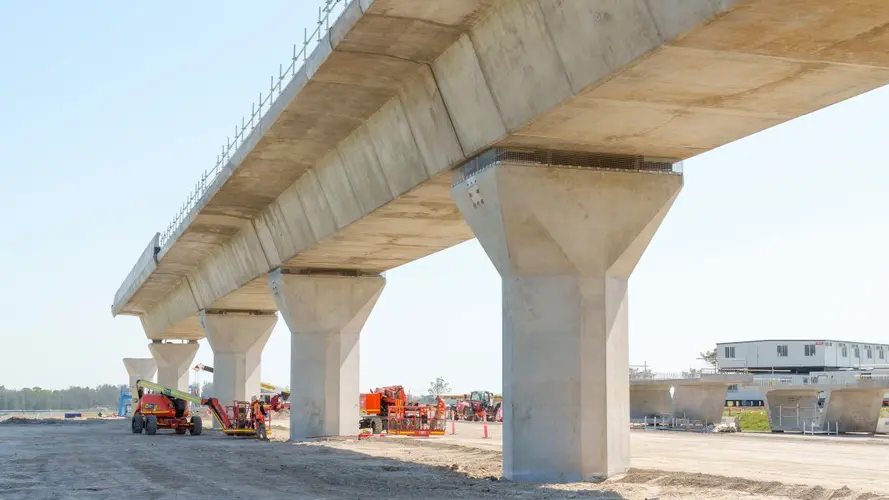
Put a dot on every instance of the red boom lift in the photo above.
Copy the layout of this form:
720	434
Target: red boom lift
165	408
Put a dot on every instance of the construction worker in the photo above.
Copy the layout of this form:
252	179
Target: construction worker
441	408
258	412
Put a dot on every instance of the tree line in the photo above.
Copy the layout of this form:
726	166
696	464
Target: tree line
72	398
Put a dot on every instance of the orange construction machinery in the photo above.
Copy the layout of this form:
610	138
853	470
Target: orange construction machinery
386	409
375	407
163	408
275	398
477	405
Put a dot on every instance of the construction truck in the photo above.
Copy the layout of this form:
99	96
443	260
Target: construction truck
375	407
386	409
477	405
160	407
276	398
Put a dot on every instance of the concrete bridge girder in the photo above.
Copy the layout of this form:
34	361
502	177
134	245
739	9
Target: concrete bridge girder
512	73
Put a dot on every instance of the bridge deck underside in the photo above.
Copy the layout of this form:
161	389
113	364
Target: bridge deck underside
364	138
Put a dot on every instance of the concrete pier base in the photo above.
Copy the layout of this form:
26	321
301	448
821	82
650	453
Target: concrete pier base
650	400
237	340
173	362
854	409
564	241
139	369
325	314
792	409
700	401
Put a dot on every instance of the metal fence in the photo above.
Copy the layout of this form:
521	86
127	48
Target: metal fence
646	374
329	9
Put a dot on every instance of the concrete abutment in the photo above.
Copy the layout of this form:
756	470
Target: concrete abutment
173	362
237	340
325	314
564	239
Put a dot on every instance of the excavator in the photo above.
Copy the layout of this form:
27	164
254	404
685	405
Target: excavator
164	408
276	401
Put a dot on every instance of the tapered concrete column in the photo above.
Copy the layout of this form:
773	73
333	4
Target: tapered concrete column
325	314
700	400
564	241
139	369
237	340
853	409
173	362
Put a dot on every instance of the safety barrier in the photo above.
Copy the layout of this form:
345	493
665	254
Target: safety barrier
812	431
670	423
797	417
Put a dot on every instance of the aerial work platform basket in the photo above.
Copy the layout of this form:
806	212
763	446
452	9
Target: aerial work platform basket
416	420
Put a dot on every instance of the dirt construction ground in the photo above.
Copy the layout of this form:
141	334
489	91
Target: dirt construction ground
103	459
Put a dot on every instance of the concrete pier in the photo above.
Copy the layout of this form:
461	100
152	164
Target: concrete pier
325	314
237	340
139	369
700	400
650	400
173	362
564	241
847	407
854	409
791	408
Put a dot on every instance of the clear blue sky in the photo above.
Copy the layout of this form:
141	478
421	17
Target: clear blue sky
111	110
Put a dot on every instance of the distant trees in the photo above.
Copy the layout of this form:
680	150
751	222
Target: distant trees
438	387
72	398
710	357
641	373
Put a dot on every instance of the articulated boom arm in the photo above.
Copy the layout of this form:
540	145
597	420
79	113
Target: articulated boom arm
172	393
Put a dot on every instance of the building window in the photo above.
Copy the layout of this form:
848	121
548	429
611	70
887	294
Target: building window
857	351
869	351
845	351
810	349
881	352
733	388
782	351
730	352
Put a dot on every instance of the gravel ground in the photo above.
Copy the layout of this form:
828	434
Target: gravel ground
102	459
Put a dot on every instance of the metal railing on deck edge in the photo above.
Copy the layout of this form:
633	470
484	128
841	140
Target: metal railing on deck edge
257	112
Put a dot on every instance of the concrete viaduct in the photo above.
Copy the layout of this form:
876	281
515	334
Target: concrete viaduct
550	130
